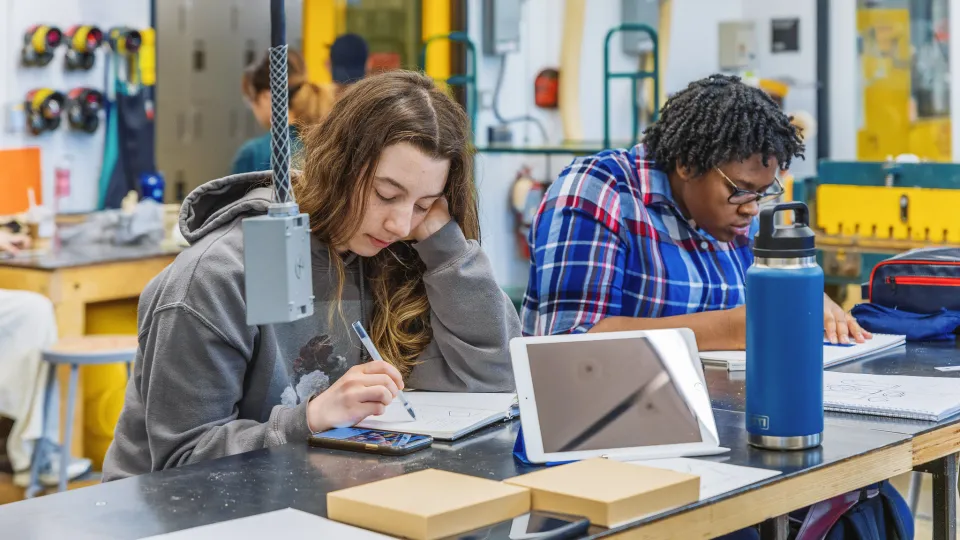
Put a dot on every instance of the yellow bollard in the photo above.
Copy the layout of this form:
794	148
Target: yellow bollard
104	386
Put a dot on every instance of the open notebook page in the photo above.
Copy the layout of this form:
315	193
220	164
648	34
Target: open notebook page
832	354
715	478
443	415
898	396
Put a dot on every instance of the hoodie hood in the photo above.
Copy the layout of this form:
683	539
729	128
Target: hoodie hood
219	202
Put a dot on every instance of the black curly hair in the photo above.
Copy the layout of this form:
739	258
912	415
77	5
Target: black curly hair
717	120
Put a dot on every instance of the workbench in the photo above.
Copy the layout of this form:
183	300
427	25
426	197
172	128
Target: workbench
935	446
857	450
75	278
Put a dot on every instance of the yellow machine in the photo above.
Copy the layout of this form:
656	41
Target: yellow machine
866	212
894	122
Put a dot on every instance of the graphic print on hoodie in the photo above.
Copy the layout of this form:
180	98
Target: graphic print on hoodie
313	370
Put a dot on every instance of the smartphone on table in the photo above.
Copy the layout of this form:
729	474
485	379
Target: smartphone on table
372	441
537	525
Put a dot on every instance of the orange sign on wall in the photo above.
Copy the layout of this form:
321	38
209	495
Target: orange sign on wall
19	172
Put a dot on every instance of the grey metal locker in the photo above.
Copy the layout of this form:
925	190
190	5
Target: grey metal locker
202	49
175	156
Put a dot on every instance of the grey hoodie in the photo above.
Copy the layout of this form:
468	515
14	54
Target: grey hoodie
206	385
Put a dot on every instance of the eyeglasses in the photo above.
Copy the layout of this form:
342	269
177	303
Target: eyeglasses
744	196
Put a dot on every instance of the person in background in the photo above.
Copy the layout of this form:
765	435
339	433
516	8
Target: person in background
308	105
349	62
660	235
27	326
387	180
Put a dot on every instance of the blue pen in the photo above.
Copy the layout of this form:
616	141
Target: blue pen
375	354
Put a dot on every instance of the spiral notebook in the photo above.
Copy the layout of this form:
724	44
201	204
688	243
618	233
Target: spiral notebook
895	396
445	416
832	354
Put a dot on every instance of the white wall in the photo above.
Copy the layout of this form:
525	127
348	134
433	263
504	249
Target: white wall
693	50
800	66
955	82
845	101
85	151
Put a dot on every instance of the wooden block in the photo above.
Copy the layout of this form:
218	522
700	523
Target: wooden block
608	492
428	504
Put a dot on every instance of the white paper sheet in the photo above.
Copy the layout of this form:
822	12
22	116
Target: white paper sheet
286	523
715	478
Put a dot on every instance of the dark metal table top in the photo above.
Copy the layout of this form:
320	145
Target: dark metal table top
915	359
68	257
297	476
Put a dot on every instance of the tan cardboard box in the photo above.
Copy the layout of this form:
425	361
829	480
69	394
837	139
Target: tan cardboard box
608	492
428	504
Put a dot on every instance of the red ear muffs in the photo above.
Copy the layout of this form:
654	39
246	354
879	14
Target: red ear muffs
83	109
82	42
39	42
43	107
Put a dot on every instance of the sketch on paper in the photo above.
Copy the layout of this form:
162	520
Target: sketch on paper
866	390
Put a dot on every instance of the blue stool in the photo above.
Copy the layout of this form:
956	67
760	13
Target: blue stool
75	352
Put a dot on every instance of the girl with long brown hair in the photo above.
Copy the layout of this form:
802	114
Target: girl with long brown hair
387	179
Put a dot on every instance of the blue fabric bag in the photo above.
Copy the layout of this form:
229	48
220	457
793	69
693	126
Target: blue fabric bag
938	326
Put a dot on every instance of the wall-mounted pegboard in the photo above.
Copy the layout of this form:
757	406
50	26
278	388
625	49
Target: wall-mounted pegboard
80	151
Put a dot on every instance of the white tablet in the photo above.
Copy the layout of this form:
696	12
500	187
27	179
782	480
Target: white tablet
623	395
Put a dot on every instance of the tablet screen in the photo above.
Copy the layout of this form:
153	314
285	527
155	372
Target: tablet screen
597	395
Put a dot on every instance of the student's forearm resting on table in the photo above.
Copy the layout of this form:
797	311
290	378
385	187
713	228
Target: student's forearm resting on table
715	330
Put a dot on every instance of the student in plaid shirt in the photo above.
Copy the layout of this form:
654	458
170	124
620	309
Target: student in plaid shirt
659	236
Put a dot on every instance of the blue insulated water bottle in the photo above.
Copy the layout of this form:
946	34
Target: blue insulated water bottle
785	335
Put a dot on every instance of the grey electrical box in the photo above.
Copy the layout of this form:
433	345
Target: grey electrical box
738	45
277	269
643	12
501	26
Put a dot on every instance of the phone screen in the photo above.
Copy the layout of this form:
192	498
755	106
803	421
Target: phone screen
370	436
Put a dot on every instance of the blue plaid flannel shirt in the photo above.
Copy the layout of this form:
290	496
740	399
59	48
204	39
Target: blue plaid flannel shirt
609	240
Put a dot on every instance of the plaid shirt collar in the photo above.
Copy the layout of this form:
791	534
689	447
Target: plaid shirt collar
654	182
657	191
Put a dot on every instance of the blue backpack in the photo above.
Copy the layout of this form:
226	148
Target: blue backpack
875	512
